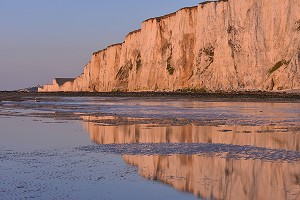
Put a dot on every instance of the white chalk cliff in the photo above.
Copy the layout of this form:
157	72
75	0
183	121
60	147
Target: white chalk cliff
226	45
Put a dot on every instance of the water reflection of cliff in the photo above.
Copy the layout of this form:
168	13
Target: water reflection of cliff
220	178
207	176
261	136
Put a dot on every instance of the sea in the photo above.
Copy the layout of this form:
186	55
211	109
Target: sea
59	147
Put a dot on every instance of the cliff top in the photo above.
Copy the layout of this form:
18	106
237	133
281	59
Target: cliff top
133	32
159	19
185	8
112	45
170	14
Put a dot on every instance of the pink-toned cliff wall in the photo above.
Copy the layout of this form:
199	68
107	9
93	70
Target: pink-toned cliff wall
225	45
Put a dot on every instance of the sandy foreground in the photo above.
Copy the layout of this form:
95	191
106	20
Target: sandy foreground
210	146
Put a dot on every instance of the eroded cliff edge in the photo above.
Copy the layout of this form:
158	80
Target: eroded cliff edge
225	45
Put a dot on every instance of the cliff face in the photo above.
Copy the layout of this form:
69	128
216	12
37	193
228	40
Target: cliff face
225	45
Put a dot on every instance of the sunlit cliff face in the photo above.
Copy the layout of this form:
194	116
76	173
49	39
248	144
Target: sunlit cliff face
206	175
225	45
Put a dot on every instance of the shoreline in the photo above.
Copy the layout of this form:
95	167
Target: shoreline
153	108
206	96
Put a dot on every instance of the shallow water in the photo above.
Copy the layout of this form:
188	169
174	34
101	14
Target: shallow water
167	148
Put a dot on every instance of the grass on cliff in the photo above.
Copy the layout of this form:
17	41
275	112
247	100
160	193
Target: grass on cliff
278	65
138	62
298	25
192	90
170	69
169	66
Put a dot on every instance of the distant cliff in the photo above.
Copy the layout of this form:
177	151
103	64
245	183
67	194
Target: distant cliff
226	45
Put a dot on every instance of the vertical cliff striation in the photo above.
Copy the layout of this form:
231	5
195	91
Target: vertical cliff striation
226	45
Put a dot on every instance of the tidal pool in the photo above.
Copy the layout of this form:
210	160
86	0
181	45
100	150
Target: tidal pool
148	148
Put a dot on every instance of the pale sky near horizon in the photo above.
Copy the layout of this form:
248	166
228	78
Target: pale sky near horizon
44	39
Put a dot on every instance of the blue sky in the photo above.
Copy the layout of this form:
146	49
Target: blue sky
43	39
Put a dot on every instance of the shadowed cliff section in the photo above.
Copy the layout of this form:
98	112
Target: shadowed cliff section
216	46
61	81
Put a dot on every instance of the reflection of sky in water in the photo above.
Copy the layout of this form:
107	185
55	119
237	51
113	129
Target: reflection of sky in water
39	159
36	133
46	157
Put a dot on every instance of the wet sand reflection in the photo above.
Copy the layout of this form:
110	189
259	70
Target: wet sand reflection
220	178
211	176
276	137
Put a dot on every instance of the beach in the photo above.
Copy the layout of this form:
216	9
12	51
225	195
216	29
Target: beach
184	145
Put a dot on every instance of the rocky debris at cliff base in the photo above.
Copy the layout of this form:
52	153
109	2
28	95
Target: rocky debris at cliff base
291	95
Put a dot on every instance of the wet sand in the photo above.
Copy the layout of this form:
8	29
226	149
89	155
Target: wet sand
106	145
